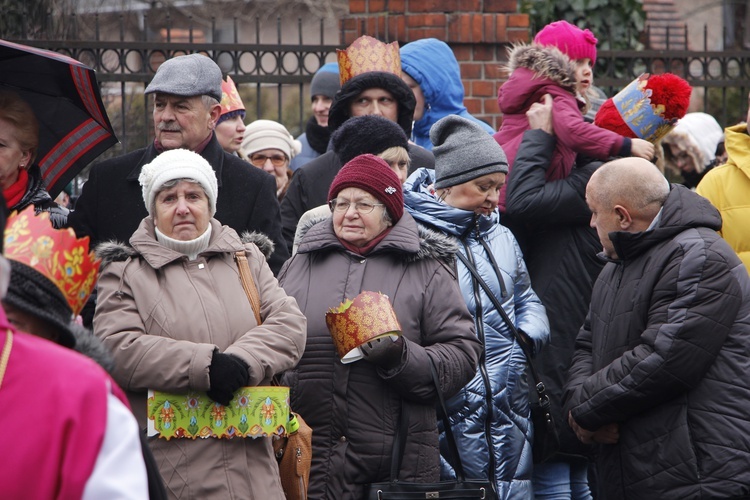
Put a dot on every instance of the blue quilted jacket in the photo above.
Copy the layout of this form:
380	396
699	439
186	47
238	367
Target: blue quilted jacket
490	415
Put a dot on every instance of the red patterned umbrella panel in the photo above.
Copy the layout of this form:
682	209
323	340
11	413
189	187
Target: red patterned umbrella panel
73	125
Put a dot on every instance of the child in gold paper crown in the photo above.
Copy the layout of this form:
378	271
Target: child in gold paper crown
560	63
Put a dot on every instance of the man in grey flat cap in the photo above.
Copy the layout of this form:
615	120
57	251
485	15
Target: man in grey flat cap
187	91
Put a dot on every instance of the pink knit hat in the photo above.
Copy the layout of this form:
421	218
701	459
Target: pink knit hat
571	40
372	174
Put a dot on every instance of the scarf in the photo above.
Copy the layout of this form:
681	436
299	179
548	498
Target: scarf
317	136
369	246
15	192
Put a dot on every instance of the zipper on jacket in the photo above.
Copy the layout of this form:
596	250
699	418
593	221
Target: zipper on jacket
483	371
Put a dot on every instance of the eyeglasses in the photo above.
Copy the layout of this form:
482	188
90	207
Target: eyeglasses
259	160
362	207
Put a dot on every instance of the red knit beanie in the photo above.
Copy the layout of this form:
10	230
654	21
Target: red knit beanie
570	39
372	174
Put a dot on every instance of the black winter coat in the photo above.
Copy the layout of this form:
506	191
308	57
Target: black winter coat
551	222
38	196
665	353
111	204
309	186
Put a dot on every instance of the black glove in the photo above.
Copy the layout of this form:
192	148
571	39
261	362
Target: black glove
226	374
384	352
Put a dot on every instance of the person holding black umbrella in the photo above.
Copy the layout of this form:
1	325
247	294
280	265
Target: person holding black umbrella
20	178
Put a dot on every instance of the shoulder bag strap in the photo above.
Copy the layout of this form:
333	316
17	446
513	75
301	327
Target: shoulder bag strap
399	443
248	284
523	342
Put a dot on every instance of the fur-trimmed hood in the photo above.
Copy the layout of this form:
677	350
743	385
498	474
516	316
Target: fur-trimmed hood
117	251
532	68
432	244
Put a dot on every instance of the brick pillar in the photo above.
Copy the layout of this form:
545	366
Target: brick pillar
478	31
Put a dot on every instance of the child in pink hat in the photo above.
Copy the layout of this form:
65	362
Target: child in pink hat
559	63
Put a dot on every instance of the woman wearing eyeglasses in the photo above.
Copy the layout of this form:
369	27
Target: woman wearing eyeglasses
370	244
269	145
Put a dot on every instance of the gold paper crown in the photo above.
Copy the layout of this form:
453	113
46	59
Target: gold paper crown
230	98
363	318
367	54
55	253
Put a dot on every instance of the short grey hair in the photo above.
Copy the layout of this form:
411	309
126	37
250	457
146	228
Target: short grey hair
172	183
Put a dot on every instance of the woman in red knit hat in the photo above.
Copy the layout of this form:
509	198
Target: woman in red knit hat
560	62
371	244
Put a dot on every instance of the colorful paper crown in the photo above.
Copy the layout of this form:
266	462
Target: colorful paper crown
55	253
230	98
354	322
648	108
367	54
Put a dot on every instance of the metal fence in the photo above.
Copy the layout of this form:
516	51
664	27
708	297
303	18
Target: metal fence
272	76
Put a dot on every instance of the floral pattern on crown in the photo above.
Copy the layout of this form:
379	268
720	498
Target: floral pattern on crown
363	318
55	253
367	54
230	98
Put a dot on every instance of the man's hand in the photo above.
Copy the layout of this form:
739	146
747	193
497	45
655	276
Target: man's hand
642	149
540	115
607	434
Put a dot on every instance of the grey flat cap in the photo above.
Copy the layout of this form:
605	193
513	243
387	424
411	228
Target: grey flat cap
187	76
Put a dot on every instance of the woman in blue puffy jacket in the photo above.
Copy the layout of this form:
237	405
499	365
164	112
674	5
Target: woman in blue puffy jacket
490	416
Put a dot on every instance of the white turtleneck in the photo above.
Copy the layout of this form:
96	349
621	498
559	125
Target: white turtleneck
191	248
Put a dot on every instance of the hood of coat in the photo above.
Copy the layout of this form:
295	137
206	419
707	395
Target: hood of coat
532	69
92	347
431	63
340	111
415	242
737	142
426	209
684	209
143	243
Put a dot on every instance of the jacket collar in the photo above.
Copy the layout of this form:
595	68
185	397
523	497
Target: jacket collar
684	209
223	240
212	153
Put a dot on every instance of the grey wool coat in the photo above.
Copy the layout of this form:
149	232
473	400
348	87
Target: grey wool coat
354	408
162	316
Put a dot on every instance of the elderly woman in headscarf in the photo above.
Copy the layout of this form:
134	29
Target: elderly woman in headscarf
371	244
20	178
173	311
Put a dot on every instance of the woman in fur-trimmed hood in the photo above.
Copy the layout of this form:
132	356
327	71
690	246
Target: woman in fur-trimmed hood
536	70
174	314
370	244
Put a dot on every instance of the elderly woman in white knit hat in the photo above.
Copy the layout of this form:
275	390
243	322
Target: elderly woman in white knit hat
173	311
692	148
270	146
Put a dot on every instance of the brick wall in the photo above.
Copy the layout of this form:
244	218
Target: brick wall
478	31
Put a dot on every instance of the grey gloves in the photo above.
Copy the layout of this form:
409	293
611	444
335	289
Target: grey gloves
384	352
226	374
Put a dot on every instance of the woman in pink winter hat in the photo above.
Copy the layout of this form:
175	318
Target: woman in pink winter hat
560	63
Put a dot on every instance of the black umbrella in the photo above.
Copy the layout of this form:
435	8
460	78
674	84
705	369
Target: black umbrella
73	124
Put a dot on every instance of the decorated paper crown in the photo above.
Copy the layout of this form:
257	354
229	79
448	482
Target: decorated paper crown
368	316
648	108
55	253
367	54
230	98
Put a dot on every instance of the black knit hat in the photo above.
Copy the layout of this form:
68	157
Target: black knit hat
34	294
367	134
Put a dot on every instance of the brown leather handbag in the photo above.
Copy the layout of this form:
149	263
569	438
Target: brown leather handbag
294	451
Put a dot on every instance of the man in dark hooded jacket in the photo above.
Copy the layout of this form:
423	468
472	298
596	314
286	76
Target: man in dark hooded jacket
659	375
367	89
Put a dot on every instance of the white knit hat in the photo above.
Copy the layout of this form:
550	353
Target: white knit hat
268	134
178	164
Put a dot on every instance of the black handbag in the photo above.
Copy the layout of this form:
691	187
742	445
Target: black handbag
399	490
546	439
